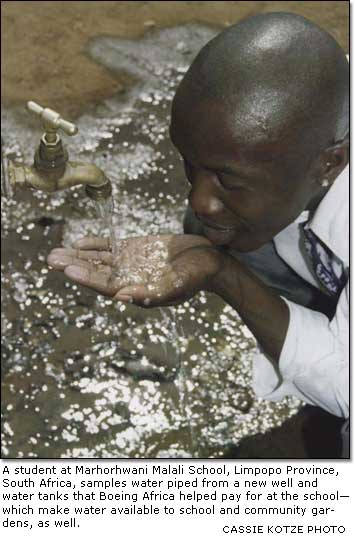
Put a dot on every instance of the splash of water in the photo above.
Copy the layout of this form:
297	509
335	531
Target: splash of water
175	331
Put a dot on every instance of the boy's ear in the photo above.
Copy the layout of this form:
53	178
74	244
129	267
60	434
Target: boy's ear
335	159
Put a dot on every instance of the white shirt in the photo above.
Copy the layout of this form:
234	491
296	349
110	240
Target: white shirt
314	362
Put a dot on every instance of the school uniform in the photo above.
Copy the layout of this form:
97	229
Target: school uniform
314	361
307	263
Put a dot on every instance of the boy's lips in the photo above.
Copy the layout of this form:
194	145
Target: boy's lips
222	234
218	235
217	227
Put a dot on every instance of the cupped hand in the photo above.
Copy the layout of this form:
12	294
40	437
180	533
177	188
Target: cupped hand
155	270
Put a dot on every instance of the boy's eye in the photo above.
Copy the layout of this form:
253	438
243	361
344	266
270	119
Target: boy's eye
229	186
224	181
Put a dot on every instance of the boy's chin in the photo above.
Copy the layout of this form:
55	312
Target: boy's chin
242	240
245	244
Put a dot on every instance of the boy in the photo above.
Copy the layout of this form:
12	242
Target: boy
261	121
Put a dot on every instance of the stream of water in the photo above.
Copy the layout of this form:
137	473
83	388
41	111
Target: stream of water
105	211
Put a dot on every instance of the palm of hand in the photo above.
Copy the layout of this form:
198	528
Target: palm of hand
148	271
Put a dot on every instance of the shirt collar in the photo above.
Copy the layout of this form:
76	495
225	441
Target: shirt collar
330	222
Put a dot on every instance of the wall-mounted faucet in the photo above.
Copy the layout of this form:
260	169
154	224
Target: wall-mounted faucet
51	170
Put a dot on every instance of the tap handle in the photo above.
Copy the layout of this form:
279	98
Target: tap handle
52	120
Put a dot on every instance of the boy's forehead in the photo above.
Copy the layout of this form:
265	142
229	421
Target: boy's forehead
210	129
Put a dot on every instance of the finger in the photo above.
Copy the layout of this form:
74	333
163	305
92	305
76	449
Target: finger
60	262
87	243
101	281
90	255
92	267
61	257
138	294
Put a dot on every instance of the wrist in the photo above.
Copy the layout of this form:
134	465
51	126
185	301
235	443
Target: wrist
217	280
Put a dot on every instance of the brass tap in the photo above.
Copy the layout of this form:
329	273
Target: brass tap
51	170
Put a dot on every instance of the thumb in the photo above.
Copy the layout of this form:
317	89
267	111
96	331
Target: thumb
134	294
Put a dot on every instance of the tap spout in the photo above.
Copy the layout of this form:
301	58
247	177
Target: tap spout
76	173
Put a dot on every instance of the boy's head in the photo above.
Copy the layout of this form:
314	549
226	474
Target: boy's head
261	120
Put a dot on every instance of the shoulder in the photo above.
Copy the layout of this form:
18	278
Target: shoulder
331	219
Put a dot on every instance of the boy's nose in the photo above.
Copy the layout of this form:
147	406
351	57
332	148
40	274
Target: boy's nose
203	196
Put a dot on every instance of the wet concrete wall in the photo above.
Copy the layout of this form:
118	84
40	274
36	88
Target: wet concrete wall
44	43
